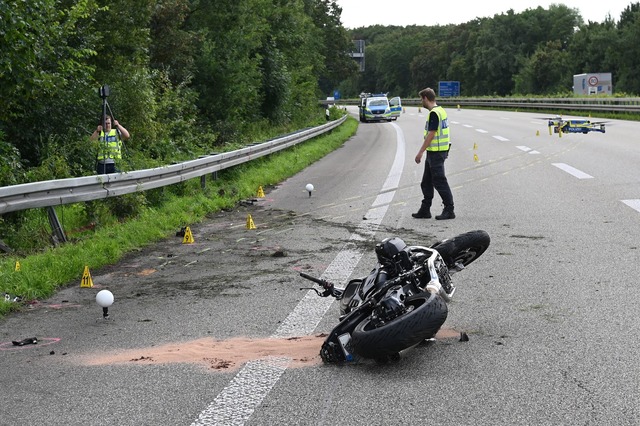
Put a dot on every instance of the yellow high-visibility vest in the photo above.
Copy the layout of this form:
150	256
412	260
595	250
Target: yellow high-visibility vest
110	145
441	141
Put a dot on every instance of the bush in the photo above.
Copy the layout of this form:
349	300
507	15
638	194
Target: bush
11	171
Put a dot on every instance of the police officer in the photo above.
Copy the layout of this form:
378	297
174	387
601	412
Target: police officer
437	143
110	147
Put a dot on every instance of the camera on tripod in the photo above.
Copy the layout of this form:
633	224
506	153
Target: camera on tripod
103	92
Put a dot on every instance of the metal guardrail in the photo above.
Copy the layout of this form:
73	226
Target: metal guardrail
630	105
594	104
65	191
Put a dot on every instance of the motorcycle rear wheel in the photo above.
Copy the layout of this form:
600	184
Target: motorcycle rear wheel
422	322
463	248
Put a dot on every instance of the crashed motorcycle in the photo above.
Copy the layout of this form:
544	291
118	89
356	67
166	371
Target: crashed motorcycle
403	300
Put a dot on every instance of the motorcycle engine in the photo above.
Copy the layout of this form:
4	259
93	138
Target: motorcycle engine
391	306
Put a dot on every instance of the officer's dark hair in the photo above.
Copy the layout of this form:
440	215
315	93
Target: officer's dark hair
428	93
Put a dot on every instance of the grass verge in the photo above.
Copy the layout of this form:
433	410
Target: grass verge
40	275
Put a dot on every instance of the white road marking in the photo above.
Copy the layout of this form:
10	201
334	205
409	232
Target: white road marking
481	131
527	149
634	204
572	171
235	404
502	139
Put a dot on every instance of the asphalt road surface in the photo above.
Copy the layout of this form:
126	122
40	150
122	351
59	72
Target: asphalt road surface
219	332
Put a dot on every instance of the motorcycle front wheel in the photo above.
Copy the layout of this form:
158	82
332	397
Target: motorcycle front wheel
463	248
426	315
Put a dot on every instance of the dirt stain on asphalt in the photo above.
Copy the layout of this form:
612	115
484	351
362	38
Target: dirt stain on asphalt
223	355
146	272
227	355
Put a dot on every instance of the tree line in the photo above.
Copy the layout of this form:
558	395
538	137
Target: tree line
535	52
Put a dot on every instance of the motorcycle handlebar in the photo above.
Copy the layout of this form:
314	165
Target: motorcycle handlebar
322	283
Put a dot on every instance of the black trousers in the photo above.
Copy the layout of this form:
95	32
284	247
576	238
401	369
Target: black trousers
105	168
434	178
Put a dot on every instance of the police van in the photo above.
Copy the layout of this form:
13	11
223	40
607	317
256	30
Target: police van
374	107
377	107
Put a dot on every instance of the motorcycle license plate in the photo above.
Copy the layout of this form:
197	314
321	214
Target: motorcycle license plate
344	342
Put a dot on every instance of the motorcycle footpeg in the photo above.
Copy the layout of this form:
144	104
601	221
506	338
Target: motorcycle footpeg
457	267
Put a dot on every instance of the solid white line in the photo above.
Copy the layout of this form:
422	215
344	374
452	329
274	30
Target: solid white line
235	404
634	204
572	171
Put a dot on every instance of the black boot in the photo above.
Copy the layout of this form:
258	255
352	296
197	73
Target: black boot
447	213
423	213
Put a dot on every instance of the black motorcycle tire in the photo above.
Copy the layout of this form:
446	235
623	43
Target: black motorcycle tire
463	248
422	322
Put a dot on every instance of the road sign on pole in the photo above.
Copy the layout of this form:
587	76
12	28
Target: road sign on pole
447	89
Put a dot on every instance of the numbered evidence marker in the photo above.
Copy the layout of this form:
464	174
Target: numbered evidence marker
86	278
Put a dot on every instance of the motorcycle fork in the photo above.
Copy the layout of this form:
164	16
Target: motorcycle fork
340	336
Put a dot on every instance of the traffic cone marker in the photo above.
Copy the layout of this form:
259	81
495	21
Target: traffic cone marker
17	266
260	192
86	281
475	158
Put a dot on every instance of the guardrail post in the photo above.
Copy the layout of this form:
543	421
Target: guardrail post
214	175
5	248
56	227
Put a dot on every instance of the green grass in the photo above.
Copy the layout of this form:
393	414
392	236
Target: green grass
41	274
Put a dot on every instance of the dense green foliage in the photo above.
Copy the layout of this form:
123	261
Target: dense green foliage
535	52
186	76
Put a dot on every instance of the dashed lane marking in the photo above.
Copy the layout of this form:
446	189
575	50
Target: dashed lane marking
572	171
527	149
634	204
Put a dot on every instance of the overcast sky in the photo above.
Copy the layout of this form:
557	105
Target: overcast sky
362	13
